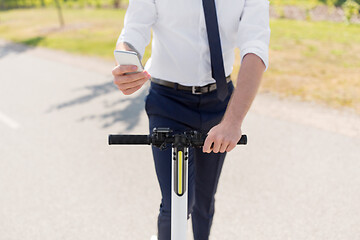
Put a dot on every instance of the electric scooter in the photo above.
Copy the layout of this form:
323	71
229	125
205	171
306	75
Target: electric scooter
161	138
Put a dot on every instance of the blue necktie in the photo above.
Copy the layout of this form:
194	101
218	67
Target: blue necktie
217	63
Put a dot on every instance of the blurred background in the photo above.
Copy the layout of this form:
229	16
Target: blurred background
314	43
297	179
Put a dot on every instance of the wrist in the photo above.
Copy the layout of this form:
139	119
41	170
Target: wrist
128	47
232	121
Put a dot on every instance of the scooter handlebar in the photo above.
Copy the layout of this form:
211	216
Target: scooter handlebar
146	140
129	139
243	140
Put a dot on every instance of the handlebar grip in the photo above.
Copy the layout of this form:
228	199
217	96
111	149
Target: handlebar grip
200	143
243	140
129	139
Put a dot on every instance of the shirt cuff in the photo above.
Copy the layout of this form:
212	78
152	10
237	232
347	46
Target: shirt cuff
258	48
135	39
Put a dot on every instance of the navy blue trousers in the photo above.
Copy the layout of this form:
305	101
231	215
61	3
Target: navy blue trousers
181	111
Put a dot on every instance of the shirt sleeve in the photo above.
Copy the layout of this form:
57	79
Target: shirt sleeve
139	17
254	31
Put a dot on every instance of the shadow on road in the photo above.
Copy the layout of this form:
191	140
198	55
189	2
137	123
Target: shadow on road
19	47
128	115
95	91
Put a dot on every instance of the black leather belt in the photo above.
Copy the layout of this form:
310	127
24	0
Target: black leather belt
193	89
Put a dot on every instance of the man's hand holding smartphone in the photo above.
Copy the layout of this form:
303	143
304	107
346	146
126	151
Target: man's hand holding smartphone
129	75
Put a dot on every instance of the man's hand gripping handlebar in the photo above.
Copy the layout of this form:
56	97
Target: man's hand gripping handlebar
163	136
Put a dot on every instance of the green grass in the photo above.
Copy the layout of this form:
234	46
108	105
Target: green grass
307	4
289	30
315	61
87	31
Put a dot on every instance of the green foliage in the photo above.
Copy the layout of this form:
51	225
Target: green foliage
97	3
331	2
309	3
351	9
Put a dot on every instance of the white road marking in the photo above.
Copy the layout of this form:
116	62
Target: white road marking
8	121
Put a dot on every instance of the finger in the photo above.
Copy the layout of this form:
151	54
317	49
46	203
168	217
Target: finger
125	86
217	145
131	90
121	69
207	144
223	147
230	147
121	79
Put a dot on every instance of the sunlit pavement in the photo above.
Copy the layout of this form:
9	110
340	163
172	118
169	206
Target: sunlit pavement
298	178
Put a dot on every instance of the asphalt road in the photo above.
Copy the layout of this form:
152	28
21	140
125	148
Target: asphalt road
298	178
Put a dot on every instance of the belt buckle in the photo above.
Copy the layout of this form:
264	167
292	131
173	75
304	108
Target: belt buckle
196	90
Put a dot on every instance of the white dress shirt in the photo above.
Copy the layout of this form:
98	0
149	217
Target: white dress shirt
180	49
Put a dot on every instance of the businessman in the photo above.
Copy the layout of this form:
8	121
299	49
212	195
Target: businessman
192	57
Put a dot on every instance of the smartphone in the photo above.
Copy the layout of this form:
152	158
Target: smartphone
128	58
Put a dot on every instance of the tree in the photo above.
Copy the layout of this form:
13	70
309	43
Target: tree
61	18
117	3
351	9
